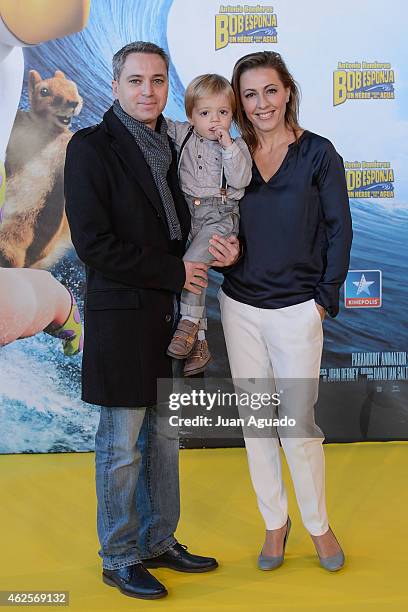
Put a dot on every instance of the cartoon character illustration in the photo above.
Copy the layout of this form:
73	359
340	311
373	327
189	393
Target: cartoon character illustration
35	230
24	23
32	301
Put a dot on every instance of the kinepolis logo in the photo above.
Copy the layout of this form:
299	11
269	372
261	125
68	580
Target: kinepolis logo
242	23
369	179
362	81
363	289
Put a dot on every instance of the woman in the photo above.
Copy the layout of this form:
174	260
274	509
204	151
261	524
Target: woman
296	231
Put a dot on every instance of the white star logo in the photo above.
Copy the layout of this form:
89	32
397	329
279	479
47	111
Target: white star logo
363	286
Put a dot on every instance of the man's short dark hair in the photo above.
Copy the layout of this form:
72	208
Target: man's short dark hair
139	46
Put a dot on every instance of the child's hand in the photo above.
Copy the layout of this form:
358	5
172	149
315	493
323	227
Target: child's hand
223	136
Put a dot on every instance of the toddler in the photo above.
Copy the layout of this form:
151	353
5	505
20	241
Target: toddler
213	171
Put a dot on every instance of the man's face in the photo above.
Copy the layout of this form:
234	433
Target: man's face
142	87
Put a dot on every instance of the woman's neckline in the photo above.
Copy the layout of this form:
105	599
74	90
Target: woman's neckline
290	145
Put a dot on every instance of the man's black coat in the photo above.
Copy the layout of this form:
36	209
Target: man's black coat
119	230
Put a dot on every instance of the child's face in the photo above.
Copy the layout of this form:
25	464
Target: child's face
211	112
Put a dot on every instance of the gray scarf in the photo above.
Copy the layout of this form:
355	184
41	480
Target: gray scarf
157	153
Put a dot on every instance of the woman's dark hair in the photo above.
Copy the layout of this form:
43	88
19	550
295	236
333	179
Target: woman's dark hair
264	59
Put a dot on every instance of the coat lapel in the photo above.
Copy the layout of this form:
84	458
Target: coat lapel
126	148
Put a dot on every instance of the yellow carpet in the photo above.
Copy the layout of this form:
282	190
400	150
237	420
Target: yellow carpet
48	535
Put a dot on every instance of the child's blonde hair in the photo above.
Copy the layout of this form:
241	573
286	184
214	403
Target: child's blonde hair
207	85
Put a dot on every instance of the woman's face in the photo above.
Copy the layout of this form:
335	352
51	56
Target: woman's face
264	98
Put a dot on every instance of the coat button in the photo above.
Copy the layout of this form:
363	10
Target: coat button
167	318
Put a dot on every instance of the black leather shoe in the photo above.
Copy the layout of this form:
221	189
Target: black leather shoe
177	558
134	581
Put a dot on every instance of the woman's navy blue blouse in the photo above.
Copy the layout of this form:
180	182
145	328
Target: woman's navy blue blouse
296	230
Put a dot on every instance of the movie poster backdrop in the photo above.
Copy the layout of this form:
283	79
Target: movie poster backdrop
350	62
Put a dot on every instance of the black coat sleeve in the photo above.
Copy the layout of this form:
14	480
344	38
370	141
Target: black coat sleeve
87	193
337	218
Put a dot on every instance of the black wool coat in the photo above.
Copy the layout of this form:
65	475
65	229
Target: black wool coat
133	269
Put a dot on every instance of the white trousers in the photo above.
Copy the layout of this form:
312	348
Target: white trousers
284	343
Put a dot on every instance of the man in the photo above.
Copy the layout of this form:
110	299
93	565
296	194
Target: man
129	224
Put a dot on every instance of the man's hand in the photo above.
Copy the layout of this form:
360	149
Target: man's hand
321	310
196	274
223	136
225	250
